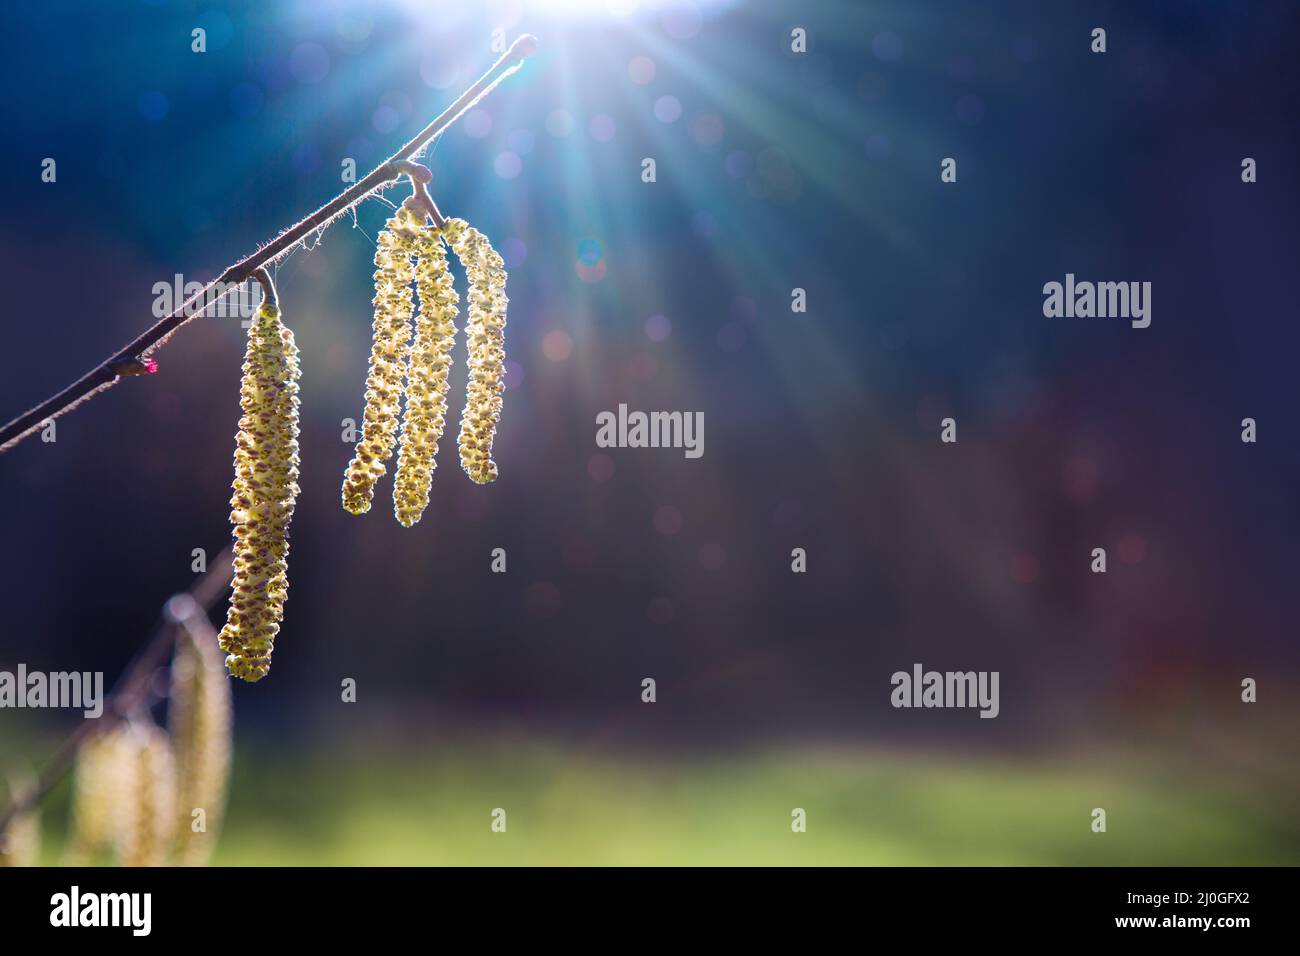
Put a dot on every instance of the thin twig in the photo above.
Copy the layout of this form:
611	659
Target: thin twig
420	201
133	687
264	279
134	357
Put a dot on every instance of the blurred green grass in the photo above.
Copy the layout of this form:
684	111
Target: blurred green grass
864	806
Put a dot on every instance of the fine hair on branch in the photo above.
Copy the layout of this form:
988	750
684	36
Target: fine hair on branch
136	354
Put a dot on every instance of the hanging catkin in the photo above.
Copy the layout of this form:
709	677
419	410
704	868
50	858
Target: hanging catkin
199	716
150	821
388	352
101	795
424	415
265	487
485	346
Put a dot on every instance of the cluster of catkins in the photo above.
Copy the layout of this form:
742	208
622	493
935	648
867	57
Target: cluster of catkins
415	367
406	406
144	796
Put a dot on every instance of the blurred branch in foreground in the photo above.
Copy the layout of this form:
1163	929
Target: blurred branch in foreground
134	689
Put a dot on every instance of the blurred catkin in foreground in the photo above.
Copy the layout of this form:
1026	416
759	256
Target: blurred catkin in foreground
20	842
147	830
124	797
101	794
200	721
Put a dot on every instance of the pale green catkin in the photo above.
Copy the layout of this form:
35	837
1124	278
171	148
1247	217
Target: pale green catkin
147	827
199	716
485	347
388	355
424	415
101	796
264	491
20	842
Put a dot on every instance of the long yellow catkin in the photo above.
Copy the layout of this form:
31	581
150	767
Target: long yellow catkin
388	352
424	416
264	491
485	345
150	822
20	842
199	716
101	796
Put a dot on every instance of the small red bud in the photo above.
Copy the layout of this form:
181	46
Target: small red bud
136	366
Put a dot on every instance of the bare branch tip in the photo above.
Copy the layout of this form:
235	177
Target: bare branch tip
524	47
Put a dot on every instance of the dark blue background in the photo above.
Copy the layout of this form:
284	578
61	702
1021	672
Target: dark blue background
821	429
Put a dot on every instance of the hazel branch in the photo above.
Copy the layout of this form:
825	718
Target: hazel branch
134	358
